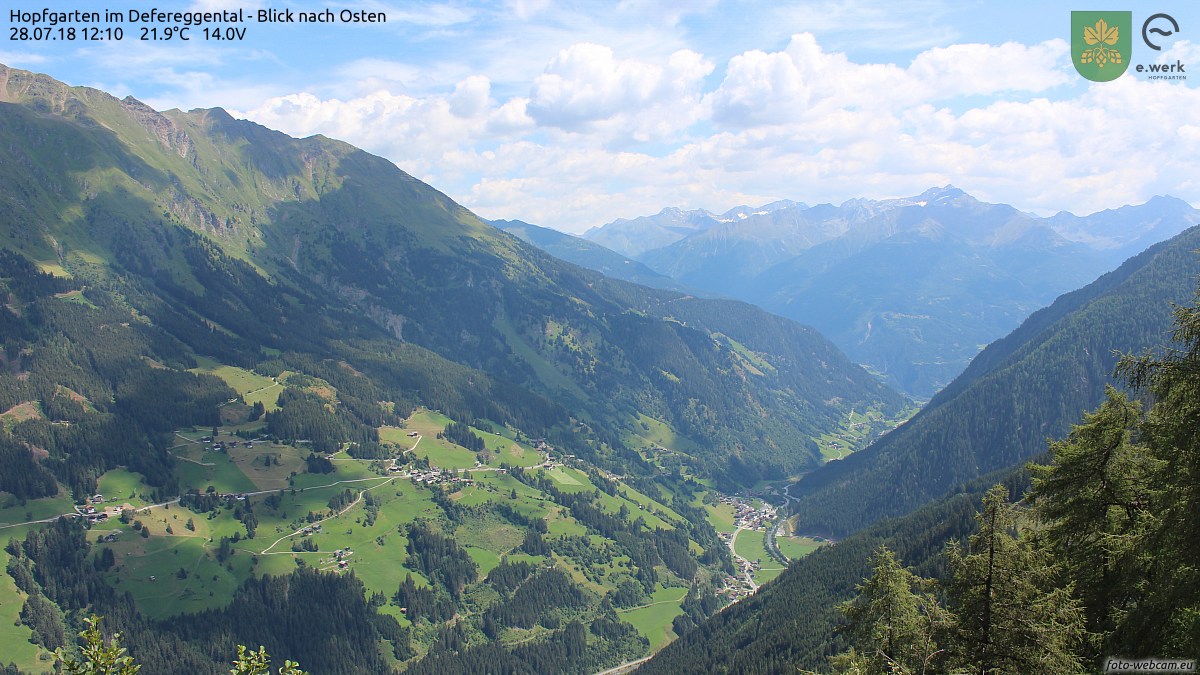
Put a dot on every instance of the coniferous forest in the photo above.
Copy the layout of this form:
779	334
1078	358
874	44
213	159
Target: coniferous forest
1089	564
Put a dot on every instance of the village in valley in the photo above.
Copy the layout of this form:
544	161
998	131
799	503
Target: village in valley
754	515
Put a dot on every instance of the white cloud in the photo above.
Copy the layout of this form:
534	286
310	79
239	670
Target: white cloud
586	84
510	117
971	69
804	82
1181	50
20	59
600	136
761	88
471	97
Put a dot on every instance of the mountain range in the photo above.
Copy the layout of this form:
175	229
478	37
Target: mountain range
912	288
235	336
1031	385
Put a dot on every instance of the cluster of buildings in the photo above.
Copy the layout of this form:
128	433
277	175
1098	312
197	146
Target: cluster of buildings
224	446
340	556
746	516
431	476
741	584
92	514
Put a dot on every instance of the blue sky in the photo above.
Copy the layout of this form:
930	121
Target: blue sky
572	114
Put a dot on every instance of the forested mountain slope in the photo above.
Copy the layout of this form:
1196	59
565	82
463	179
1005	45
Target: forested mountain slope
1022	389
1069	560
793	621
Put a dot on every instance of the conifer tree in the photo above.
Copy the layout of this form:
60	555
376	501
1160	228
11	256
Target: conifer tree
894	622
1095	500
1013	616
1166	621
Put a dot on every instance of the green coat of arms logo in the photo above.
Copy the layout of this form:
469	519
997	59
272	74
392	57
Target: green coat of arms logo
1101	44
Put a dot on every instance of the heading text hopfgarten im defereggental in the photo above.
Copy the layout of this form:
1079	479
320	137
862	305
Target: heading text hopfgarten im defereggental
112	24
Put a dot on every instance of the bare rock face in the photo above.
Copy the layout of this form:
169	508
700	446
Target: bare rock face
160	126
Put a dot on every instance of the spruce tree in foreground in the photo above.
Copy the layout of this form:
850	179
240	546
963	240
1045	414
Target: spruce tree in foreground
1095	501
1013	614
894	623
1166	619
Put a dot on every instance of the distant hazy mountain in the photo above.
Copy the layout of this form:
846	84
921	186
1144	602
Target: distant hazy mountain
634	237
588	254
913	287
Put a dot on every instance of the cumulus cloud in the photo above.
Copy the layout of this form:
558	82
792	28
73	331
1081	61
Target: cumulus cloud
510	117
586	83
471	96
969	69
600	136
804	81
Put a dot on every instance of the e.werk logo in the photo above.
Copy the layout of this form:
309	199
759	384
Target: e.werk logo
1163	26
1100	44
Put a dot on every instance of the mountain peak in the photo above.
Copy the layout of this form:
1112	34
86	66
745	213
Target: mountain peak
945	193
1168	203
131	102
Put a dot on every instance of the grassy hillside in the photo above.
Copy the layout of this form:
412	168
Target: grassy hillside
182	556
